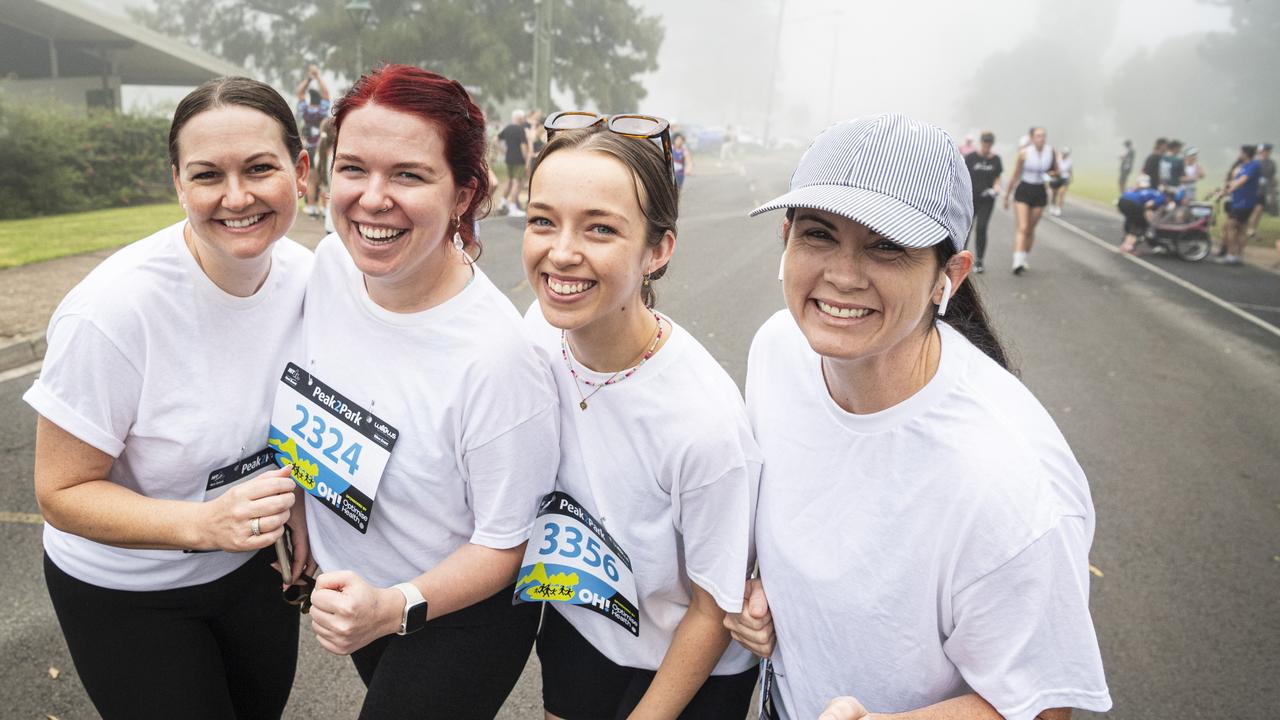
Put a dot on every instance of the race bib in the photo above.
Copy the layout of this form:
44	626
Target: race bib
338	449
572	559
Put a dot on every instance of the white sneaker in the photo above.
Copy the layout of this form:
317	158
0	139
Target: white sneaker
514	211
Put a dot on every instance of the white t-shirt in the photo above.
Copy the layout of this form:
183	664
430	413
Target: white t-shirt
666	462
474	405
153	364
929	550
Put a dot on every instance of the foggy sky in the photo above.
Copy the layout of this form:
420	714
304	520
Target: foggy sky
840	58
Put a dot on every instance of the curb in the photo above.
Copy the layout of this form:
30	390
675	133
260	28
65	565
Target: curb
22	351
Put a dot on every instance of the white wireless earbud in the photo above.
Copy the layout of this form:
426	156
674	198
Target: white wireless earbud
782	262
946	295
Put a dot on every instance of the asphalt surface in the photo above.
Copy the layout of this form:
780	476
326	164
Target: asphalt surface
1168	399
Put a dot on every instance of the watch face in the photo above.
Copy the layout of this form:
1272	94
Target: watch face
415	617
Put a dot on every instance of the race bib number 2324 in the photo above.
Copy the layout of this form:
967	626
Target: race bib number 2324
338	449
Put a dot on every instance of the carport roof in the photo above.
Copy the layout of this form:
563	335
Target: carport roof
142	56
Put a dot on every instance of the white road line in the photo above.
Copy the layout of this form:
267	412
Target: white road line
1252	306
20	371
1229	307
21	518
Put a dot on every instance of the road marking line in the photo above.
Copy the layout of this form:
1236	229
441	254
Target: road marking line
20	371
21	518
1251	306
1229	307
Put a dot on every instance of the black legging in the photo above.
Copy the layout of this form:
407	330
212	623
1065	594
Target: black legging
982	207
224	649
461	666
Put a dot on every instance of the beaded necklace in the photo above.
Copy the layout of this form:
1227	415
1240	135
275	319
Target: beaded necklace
564	352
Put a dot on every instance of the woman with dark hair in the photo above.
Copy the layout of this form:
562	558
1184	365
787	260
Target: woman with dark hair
656	452
1035	165
154	401
410	345
923	529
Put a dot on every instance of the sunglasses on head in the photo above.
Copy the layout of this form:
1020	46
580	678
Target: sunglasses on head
640	127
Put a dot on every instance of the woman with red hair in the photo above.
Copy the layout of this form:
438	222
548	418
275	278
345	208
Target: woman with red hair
424	352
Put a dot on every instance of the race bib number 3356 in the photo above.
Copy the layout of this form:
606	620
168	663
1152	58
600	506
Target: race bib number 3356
572	559
338	449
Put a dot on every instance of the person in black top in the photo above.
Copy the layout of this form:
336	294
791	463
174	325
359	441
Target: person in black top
516	140
1151	166
1126	165
984	171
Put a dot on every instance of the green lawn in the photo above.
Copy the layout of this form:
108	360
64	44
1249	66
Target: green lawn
45	238
1101	187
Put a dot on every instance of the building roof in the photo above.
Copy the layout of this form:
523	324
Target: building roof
84	36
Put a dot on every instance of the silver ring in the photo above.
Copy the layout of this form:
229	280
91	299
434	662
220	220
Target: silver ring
385	208
254	527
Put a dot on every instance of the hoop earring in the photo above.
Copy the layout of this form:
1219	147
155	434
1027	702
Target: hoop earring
646	280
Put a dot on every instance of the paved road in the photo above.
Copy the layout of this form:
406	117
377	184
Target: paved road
1169	401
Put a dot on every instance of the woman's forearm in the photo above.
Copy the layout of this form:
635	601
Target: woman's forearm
471	574
105	512
965	707
698	644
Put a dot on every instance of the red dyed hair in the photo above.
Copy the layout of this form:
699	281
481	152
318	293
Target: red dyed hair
447	105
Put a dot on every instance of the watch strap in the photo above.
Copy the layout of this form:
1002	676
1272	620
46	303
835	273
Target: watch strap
412	600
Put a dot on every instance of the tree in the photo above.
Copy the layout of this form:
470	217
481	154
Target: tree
1049	78
600	47
1246	61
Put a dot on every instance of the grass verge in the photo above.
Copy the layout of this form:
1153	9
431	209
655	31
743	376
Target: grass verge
44	238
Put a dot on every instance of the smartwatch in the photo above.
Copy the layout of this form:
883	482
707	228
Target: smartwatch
414	616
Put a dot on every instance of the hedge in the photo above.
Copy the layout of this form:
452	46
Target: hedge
57	161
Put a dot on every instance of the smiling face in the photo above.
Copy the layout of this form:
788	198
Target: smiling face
853	293
585	253
395	200
237	182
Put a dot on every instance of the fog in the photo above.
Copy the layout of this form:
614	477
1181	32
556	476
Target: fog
1091	71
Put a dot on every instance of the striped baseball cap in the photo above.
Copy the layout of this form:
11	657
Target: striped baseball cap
900	177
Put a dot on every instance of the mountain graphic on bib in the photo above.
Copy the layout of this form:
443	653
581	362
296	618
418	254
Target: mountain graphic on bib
541	587
304	471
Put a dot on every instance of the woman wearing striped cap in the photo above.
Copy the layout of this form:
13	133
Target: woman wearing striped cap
923	529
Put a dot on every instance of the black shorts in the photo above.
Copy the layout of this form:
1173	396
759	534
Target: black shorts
1135	217
515	171
1059	182
1032	194
1240	214
580	683
459	666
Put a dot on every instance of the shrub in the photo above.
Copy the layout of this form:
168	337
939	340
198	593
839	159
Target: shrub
57	161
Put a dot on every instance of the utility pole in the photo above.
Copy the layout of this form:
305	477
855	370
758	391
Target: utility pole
773	73
544	20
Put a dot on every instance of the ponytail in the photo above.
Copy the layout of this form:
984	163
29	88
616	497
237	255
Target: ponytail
966	314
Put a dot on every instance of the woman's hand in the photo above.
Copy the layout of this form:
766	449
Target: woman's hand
844	708
348	613
228	522
753	627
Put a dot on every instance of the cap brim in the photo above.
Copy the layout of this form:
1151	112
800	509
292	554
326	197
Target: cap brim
888	216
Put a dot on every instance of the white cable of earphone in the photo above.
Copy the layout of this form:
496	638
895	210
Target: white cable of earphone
946	295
